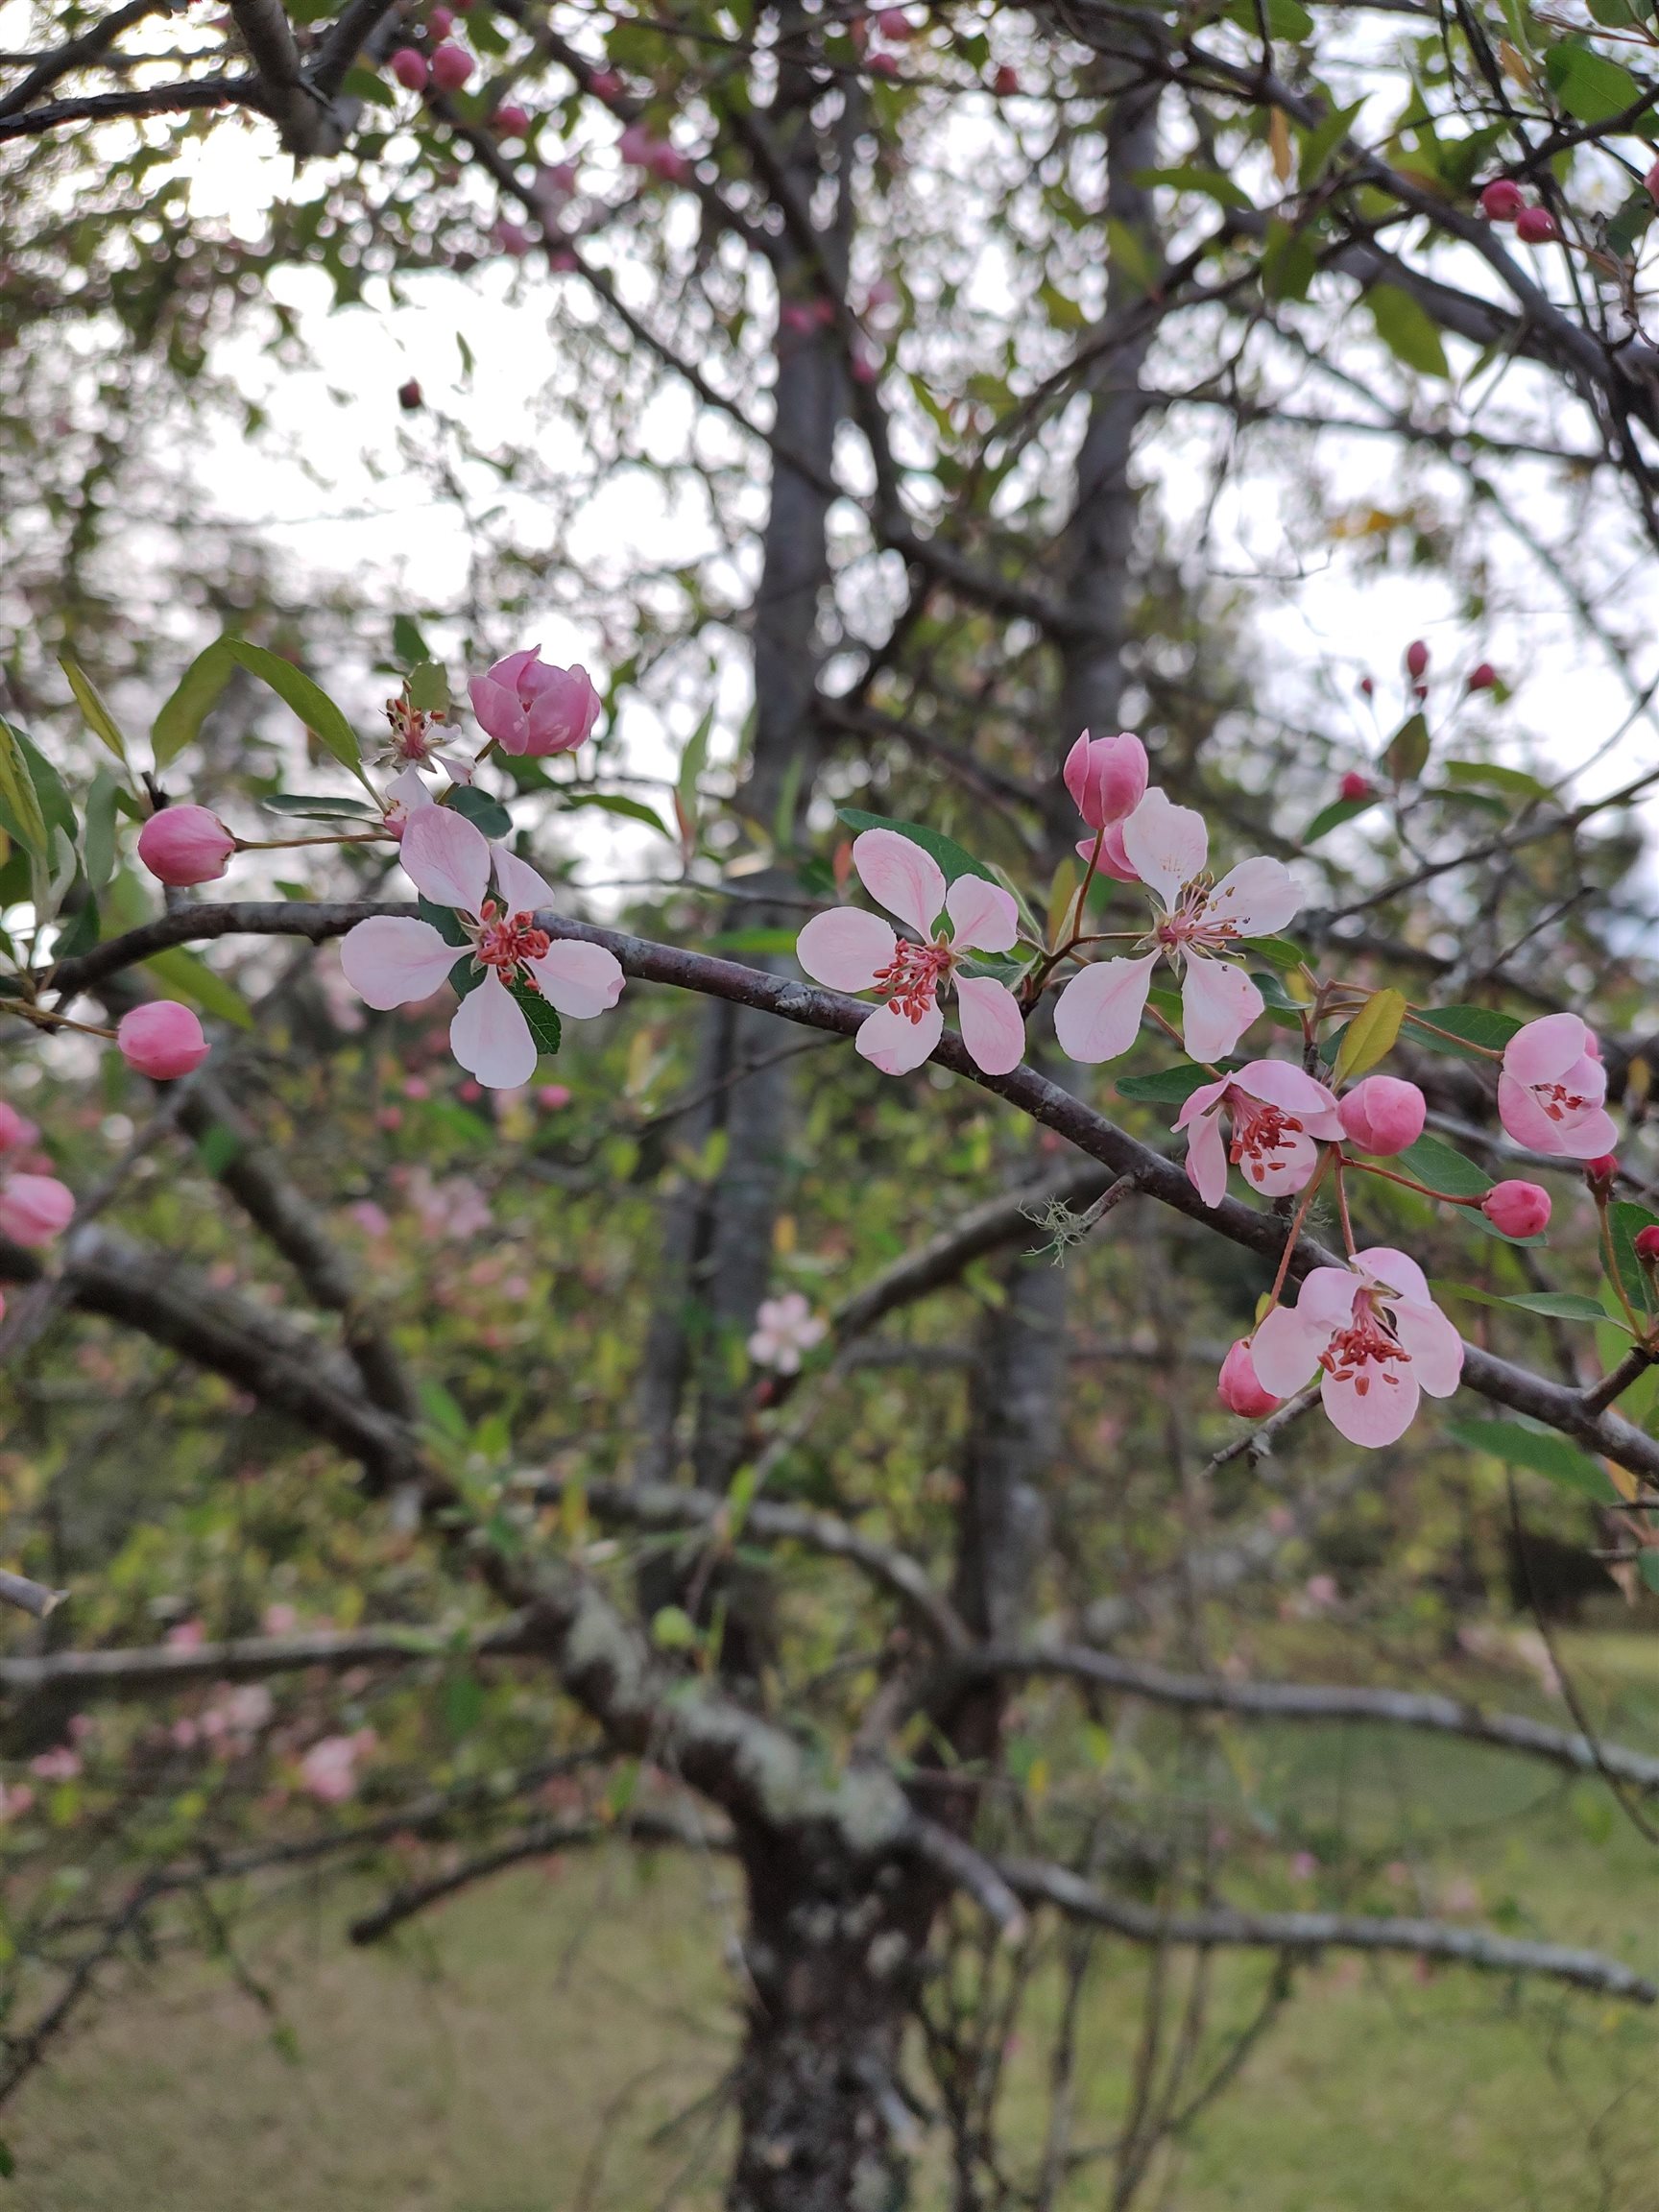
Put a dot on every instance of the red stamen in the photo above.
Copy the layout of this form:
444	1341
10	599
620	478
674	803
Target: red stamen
506	941
910	980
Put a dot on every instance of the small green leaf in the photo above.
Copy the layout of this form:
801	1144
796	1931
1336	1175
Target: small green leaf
1462	1032
1444	1169
1561	1306
1212	183
692	762
1408	753
322	808
1289	262
1647	1566
308	700
615	803
98	839
1285	20
194	698
1541	1452
443	919
1370	1037
217	1146
953	858
19	801
484	812
1407	329
1333	816
181	974
1169	1087
1281	953
1492	776
408	646
1592	89
93	710
544	1024
429	682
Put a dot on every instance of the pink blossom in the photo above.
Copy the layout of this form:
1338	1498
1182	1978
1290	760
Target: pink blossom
409	67
236	1716
61	1765
394	960
551	1097
1196	924
784	1329
1383	1115
641	149
15	1129
328	1770
1502	201
1303	1866
451	67
1520	1208
161	1039
186	1636
1239	1387
1106	777
1550	1088
279	1619
1280	1117
455	1209
512	120
851	950
528	707
1355	785
512	238
15	1801
34	1209
1378	1336
183	845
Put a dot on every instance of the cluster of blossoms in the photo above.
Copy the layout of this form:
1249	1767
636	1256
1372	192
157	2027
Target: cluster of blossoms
1369	1329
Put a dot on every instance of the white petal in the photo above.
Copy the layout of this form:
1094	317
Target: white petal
578	980
846	948
393	960
1218	1003
895	1043
1285	1350
1098	1016
907	881
447	858
490	1037
1258	897
1168	845
518	883
993	1027
982	915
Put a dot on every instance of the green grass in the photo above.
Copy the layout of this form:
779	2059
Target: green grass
542	2045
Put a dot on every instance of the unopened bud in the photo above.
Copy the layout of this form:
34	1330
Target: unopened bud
1502	201
1599	1173
409	395
1517	1209
1416	660
1354	785
1647	1243
1484	677
1535	226
409	67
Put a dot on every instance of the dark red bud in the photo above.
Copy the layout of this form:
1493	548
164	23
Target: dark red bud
1535	226
1484	678
1367	686
1354	785
1599	1174
409	397
1502	201
1416	660
1006	82
1647	1243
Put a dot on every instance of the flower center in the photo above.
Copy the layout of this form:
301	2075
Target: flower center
1366	1344
1557	1101
1258	1130
1189	926
910	980
506	941
410	742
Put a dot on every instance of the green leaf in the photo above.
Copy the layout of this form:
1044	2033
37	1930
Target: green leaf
1289	262
1489	773
322	807
1281	953
181	974
1408	754
1212	183
1285	18
19	801
1625	1221
953	858
408	646
754	941
98	840
1333	816
429	682
1321	142
359	83
544	1024
81	932
1561	1306
217	1146
692	762
1647	1566
1462	1032
1592	89
1370	1037
194	698
1274	994
94	712
1541	1452
1443	1168
56	807
443	919
484	812
308	700
615	803
1169	1087
1407	330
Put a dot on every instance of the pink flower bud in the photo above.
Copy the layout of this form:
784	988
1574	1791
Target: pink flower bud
1113	860
1367	686
883	65
1236	1385
184	844
604	84
1599	1173
1535	226
1383	1115
895	25
451	67
530	707
1482	677
551	1097
510	238
1647	1243
409	395
1502	201
15	1129
1006	82
409	67
1354	785
1518	1208
1106	777
512	120
161	1039
1416	660
34	1209
1651	181
441	23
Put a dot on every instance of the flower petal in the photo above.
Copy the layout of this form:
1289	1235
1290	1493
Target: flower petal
1098	1016
1545	1048
490	1037
895	1043
907	881
1258	897
1526	1120
1327	1297
846	949
992	1026
1395	1269
1373	1408
1280	1083
447	858
1289	1166
1207	1159
393	960
1285	1350
1433	1346
578	980
982	915
1166	845
1204	1100
518	883
1218	1003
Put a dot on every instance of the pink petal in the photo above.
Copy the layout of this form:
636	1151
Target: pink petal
1285	1350
1327	1298
1526	1120
1207	1159
983	916
1204	1100
1258	897
846	949
1378	1413
1218	1003
500	712
1098	1016
1586	1079
518	883
1587	1135
993	1027
1281	1084
907	881
391	960
579	980
894	1043
490	1037
1166	845
1398	1270
1545	1049
1435	1346
447	858
1287	1168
